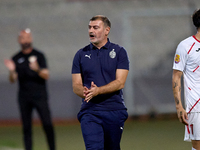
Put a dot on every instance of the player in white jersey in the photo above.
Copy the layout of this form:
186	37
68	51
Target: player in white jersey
187	63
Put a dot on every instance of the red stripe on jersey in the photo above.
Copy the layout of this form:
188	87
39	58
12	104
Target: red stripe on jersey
188	130
190	48
195	38
191	126
193	106
189	88
195	68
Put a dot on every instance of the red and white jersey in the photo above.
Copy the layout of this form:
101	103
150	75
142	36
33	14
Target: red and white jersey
187	60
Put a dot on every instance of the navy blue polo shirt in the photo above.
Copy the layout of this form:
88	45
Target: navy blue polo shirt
99	66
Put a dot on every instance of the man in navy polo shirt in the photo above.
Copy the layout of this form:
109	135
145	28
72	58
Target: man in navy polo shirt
99	74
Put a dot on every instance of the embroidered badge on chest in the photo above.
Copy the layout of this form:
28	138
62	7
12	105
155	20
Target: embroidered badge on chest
112	54
21	60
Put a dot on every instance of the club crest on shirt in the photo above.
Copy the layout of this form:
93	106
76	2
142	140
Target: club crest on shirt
177	59
112	54
21	60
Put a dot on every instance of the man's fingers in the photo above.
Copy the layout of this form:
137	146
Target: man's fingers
89	93
184	118
89	96
93	85
85	91
183	121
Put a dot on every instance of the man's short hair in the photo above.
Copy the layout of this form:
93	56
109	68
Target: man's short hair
104	19
196	18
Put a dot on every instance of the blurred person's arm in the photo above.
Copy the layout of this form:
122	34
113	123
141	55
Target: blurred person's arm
43	73
11	67
176	86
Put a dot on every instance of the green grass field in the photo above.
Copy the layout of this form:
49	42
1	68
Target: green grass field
138	135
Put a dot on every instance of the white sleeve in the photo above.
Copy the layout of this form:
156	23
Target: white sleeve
180	58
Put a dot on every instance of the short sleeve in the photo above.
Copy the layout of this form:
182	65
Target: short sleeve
123	61
180	58
76	64
42	61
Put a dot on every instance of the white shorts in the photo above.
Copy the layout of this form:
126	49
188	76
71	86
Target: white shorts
192	130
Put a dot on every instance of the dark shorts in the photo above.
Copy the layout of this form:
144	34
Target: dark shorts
102	130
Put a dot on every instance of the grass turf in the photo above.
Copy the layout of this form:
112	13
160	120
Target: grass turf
138	135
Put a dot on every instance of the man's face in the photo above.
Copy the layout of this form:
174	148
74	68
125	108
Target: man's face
97	32
25	40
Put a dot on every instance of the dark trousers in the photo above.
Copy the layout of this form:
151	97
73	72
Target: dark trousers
26	109
102	130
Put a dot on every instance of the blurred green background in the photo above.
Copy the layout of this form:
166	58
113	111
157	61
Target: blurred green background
166	134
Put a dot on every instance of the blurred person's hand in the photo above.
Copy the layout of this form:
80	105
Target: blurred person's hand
9	64
34	66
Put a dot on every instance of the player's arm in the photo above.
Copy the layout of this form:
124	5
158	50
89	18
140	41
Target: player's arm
11	67
117	84
77	85
176	86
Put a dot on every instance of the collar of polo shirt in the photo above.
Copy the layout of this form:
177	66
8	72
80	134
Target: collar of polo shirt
105	46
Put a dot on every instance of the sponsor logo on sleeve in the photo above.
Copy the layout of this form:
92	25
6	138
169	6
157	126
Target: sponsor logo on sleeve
177	59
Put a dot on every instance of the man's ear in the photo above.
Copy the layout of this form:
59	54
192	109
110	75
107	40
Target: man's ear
107	31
